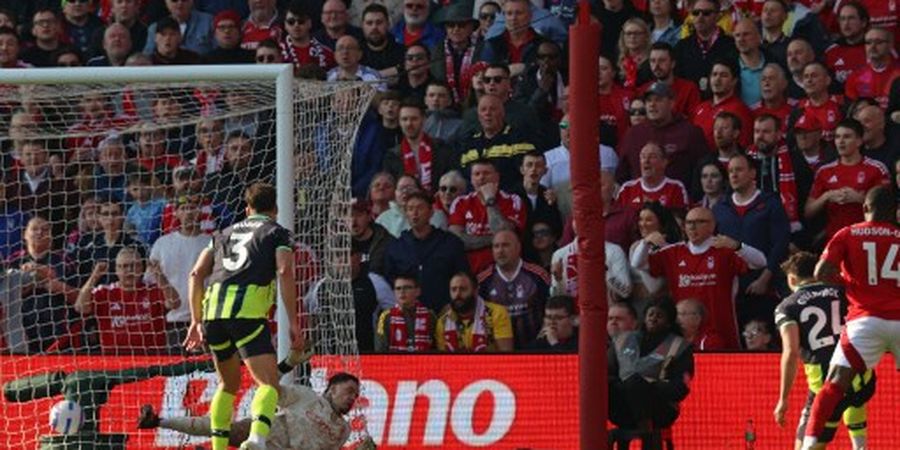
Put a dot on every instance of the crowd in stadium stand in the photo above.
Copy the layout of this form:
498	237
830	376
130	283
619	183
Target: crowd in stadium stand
732	133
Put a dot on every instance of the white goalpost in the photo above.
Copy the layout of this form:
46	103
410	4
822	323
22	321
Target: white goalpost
97	161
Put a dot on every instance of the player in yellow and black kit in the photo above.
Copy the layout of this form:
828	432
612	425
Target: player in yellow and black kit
810	321
231	316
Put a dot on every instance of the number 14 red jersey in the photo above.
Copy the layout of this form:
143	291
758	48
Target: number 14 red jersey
867	254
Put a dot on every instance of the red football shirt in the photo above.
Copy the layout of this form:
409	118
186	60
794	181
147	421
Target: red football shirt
829	114
782	112
171	223
670	193
252	34
866	81
613	110
862	176
882	13
710	277
130	322
705	116
867	254
844	59
468	212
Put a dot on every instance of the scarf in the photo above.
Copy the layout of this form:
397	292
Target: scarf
417	163
459	89
399	341
778	172
479	330
629	72
316	53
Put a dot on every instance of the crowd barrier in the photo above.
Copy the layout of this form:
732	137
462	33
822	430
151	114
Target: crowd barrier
470	401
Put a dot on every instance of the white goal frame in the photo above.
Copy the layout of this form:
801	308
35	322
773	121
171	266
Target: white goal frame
282	75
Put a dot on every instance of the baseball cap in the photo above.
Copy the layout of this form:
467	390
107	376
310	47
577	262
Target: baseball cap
661	89
808	123
228	14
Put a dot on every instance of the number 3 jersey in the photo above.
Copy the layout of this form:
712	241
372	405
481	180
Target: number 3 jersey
242	284
818	310
867	255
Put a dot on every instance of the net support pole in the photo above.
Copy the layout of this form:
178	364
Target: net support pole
584	45
284	183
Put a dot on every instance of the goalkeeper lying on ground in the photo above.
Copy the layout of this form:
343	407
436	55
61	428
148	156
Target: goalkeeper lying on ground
304	420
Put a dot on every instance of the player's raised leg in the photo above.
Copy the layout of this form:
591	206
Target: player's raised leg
193	426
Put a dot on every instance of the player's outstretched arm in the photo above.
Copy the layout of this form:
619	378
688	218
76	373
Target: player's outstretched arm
790	353
196	282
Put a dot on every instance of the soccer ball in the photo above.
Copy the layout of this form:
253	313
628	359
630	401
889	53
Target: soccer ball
66	417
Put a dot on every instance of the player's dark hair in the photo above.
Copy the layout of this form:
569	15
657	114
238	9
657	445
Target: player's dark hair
732	117
261	197
800	264
340	378
767	116
881	204
851	124
565	302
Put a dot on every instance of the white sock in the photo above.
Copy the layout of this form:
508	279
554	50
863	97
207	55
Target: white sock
859	442
257	439
194	426
808	442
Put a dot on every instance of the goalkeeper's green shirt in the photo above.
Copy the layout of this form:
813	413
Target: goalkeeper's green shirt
242	284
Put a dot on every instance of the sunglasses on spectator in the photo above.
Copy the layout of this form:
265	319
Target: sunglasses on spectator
293	21
542	232
495	79
265	58
638	112
703	12
451	25
486	16
450	189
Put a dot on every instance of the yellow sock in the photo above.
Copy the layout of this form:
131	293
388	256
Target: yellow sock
220	410
265	400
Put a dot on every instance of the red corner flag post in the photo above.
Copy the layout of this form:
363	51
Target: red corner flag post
584	45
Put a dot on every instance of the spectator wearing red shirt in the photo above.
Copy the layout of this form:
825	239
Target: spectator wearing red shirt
706	268
693	320
95	124
874	79
152	155
298	46
826	108
612	104
848	52
723	80
653	185
477	216
841	186
773	84
882	14
262	23
683	141
662	65
130	315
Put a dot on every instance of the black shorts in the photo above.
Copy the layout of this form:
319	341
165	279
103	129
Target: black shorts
250	337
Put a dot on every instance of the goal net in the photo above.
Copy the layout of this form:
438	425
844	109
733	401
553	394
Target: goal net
110	191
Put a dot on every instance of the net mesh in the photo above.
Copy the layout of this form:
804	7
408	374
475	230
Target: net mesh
110	192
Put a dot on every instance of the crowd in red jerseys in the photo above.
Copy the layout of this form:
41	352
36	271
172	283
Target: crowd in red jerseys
773	117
